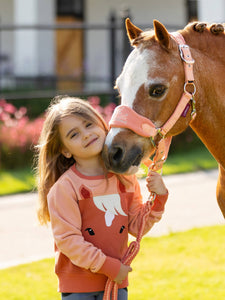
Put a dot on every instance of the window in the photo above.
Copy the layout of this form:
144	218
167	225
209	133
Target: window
73	8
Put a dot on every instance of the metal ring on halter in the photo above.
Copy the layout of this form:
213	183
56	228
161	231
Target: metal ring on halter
189	83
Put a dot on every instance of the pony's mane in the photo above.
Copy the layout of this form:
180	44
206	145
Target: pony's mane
146	36
215	28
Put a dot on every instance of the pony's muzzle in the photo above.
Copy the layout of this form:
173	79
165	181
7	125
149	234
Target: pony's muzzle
119	159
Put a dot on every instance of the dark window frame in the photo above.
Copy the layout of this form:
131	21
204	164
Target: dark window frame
74	8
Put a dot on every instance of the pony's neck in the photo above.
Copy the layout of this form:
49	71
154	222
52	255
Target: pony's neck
206	43
209	72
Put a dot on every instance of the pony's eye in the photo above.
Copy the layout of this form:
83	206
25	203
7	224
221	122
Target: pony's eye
157	90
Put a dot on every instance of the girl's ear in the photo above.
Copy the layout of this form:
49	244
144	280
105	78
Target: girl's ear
66	153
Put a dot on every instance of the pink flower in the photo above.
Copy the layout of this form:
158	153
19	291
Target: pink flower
95	103
20	113
2	102
9	108
94	100
16	130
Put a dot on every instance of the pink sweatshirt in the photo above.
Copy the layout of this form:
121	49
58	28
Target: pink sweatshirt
91	218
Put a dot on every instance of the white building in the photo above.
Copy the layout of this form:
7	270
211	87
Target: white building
38	53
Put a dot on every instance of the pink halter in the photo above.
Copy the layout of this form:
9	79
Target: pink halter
126	117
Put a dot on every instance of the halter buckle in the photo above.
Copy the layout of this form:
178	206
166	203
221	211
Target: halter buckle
181	47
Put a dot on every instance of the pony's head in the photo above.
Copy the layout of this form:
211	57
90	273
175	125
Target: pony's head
151	85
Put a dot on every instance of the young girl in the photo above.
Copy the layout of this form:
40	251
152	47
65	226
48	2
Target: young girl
91	210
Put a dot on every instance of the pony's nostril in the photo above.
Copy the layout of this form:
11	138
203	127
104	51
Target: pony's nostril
117	154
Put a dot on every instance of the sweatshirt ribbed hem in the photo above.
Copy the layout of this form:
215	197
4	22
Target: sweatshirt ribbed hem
69	283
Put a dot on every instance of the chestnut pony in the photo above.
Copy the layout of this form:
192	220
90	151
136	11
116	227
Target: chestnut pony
151	85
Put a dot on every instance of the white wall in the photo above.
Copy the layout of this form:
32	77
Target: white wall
34	49
211	11
172	12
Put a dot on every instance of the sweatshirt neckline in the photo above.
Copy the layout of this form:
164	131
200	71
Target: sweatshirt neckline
74	169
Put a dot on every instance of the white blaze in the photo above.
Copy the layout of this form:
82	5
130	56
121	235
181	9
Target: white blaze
134	74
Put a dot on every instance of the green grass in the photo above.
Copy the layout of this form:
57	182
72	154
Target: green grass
191	161
18	181
35	281
189	265
179	266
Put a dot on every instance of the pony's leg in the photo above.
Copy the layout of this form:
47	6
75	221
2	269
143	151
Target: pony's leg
220	190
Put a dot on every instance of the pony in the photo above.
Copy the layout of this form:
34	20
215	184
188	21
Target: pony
161	69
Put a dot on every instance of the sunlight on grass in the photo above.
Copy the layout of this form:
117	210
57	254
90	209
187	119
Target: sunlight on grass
35	281
185	266
180	266
16	181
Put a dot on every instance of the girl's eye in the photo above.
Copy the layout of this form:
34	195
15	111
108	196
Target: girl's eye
89	124
73	135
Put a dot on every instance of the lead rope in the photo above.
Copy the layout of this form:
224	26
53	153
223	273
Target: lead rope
111	287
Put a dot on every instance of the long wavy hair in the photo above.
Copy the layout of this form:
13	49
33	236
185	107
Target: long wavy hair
51	164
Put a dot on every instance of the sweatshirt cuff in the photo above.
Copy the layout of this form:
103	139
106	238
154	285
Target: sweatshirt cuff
110	268
159	202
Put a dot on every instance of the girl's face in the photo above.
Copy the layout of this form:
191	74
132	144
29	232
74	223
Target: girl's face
81	138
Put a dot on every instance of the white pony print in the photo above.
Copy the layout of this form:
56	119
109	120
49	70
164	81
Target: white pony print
111	205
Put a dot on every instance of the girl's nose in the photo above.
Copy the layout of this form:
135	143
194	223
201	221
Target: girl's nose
86	134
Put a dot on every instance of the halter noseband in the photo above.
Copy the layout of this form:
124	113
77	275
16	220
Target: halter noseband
126	117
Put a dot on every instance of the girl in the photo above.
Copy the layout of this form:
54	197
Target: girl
91	210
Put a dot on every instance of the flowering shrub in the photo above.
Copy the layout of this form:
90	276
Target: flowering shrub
106	111
18	134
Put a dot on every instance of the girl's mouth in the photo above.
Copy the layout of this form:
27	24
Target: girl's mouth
91	142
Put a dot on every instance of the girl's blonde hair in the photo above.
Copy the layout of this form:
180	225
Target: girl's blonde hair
51	164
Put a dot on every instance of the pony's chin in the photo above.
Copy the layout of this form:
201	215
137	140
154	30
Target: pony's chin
131	170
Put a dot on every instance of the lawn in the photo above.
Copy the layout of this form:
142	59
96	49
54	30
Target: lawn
179	266
18	181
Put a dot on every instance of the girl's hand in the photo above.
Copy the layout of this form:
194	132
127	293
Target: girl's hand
123	273
155	183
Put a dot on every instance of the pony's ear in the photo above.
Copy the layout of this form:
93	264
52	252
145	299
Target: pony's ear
132	31
162	34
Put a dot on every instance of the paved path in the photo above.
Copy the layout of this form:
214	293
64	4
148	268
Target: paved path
191	203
